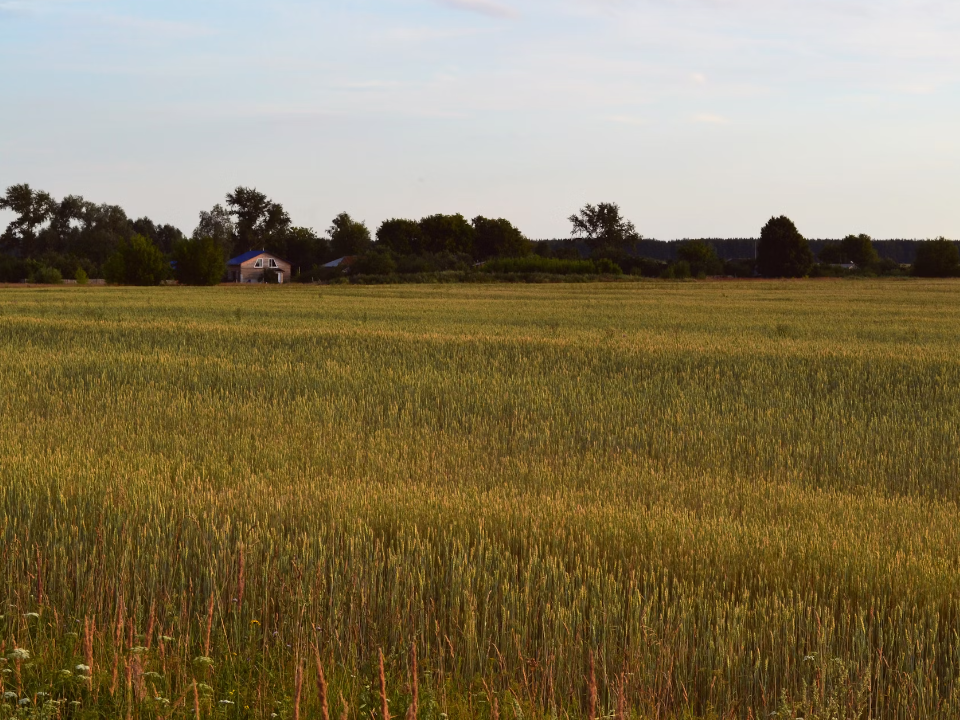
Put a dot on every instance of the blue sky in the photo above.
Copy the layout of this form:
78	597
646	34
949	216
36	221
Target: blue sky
700	117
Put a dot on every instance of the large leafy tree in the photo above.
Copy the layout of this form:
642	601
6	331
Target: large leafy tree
199	261
603	227
217	223
447	233
33	209
402	237
498	238
348	236
137	261
164	237
782	250
258	222
937	258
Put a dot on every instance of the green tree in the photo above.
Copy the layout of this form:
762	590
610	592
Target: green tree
447	233
603	227
859	250
498	238
199	261
33	208
402	237
701	257
218	224
937	258
782	250
348	237
831	254
164	237
378	261
259	221
137	261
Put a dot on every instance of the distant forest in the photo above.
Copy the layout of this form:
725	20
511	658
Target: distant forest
50	240
900	251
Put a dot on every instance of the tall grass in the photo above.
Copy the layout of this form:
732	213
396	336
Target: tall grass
655	500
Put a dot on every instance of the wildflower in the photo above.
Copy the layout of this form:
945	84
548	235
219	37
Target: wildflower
138	650
227	702
254	622
9	696
204	688
32	616
66	673
24	702
19	654
203	660
166	638
82	669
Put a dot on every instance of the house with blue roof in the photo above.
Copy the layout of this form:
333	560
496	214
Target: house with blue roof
258	266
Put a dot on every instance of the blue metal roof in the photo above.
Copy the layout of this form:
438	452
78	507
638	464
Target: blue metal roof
239	259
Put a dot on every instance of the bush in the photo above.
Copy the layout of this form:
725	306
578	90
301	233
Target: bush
81	276
606	266
679	270
937	258
46	275
375	262
538	264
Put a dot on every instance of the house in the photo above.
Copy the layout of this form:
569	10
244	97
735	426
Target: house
251	267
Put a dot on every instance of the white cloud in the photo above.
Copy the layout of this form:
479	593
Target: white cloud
483	7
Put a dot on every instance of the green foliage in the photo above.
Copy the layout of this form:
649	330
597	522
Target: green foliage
937	258
679	270
782	250
538	264
46	275
447	233
603	226
401	237
348	237
199	261
498	238
137	261
81	276
375	262
701	258
859	250
258	222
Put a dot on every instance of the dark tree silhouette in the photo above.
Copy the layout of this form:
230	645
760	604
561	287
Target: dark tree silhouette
937	258
782	250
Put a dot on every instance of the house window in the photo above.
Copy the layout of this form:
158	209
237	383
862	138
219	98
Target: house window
258	263
273	263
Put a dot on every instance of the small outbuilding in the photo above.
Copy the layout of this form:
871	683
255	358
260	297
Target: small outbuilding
256	266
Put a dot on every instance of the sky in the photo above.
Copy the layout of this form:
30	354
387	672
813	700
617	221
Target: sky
701	118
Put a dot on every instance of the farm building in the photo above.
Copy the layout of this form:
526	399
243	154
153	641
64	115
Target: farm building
253	266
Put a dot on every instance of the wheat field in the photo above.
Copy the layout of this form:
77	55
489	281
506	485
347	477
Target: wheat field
645	500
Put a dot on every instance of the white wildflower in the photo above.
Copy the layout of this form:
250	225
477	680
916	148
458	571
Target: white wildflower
19	654
82	669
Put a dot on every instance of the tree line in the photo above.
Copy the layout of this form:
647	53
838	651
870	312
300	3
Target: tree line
50	239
